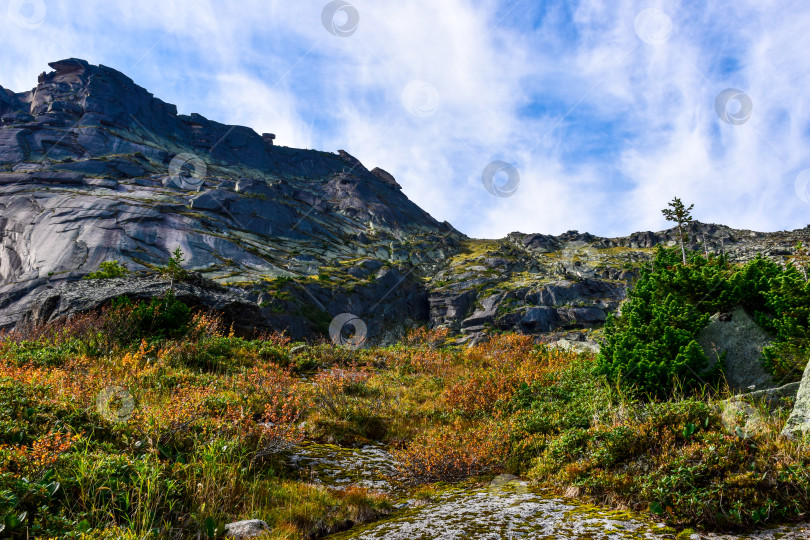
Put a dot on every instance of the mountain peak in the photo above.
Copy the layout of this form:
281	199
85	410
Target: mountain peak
70	65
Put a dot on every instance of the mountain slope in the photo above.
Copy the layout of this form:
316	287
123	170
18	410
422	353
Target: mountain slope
94	168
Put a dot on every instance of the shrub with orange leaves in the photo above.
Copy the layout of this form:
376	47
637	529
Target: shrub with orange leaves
278	339
268	419
140	363
71	382
262	382
454	452
424	356
426	337
204	324
184	403
330	388
41	455
279	429
498	367
434	362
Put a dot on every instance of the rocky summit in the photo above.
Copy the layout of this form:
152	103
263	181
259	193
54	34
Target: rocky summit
94	168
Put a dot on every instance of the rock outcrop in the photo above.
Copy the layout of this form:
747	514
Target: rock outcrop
736	340
197	292
95	168
741	414
798	423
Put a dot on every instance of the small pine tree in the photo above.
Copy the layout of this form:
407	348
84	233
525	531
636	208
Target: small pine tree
173	268
679	214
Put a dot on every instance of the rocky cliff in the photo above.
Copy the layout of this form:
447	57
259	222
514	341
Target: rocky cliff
94	168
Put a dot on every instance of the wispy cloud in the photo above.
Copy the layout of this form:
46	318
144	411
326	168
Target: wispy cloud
603	127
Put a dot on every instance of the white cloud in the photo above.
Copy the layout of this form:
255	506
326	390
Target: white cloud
508	89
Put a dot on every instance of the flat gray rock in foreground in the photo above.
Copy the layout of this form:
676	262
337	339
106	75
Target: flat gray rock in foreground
509	511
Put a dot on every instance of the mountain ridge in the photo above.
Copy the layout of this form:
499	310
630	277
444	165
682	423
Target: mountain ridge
94	168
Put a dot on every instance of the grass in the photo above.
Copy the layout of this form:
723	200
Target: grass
676	458
472	250
110	430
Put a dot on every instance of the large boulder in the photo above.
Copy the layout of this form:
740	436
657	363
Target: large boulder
540	319
799	421
741	414
741	340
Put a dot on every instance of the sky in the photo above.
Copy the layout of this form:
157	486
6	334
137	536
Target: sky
495	115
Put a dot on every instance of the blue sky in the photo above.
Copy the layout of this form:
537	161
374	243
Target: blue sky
605	108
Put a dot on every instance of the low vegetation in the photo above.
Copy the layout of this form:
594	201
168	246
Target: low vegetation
149	420
652	348
109	270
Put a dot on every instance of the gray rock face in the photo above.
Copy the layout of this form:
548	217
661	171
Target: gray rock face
300	309
741	340
798	423
485	315
449	309
95	168
540	319
250	528
564	292
559	305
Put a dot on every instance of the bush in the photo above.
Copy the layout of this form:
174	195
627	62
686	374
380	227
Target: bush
452	453
652	345
109	269
676	459
162	317
786	314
